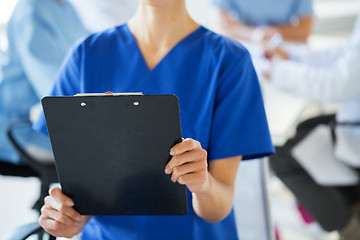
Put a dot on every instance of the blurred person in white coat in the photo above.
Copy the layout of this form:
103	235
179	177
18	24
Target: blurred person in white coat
330	76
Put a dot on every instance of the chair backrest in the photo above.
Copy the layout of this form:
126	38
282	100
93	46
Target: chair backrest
35	150
10	169
251	201
33	146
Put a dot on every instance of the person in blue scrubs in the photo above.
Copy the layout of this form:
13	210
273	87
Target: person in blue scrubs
40	32
259	20
161	50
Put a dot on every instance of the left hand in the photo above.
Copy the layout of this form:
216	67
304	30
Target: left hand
188	165
275	53
269	32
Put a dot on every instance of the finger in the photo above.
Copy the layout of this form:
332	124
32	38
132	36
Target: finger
51	202
186	145
194	155
269	53
50	225
193	179
188	168
56	193
57	216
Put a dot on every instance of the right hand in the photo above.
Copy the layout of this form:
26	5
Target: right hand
272	53
58	217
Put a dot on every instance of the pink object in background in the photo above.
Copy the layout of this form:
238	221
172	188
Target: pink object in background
307	218
277	232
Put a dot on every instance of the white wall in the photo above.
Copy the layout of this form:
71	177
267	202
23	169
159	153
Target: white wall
6	8
199	10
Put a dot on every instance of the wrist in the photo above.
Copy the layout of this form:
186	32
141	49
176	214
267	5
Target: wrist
206	188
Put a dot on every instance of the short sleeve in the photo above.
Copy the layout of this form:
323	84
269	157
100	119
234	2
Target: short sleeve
34	40
304	7
239	123
66	84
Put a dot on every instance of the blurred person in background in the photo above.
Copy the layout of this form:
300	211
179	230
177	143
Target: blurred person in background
259	20
329	75
40	33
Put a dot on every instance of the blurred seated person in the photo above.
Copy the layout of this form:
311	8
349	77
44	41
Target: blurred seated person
259	20
328	75
40	32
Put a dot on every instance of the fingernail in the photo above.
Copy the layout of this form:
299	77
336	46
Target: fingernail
167	171
180	180
78	219
69	202
172	152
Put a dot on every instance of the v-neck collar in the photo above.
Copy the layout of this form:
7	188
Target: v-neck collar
181	42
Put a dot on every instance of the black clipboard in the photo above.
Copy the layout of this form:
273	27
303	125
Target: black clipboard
111	152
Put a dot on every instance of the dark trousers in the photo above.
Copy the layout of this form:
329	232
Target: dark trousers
329	206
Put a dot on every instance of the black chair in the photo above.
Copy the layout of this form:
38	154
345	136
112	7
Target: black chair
35	150
10	169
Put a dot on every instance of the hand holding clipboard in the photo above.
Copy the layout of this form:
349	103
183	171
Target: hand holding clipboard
111	152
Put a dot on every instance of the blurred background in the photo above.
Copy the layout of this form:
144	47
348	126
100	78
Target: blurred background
333	24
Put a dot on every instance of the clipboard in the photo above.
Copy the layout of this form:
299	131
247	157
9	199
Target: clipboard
111	151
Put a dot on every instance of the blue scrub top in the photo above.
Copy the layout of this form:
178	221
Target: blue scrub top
266	12
220	105
40	33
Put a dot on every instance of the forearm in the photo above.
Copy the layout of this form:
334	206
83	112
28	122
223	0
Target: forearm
211	184
237	30
299	32
215	202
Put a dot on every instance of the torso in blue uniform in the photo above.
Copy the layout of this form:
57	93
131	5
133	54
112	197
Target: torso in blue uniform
220	106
